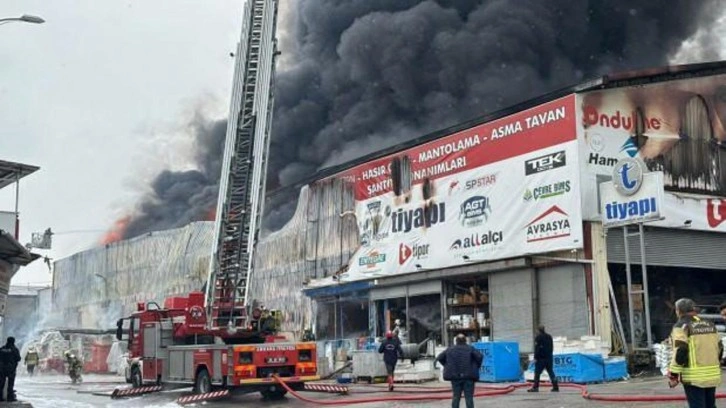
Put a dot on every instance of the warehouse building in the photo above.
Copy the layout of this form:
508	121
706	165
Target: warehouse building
488	228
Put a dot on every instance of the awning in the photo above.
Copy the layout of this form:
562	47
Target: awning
14	252
337	289
10	172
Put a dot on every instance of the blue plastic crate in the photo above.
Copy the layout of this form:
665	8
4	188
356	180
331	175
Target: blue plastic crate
577	368
616	369
501	361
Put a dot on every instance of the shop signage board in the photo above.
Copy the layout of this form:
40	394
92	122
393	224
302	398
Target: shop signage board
633	196
502	189
674	127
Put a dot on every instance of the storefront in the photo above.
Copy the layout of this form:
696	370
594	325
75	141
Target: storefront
415	305
492	228
501	300
679	263
342	311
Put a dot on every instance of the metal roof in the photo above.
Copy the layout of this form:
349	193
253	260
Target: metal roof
13	251
616	80
10	172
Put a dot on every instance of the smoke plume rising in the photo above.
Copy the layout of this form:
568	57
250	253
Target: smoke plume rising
180	197
360	75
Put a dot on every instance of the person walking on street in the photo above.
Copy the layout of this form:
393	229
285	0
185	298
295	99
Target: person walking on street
31	360
461	366
391	350
543	359
9	359
696	352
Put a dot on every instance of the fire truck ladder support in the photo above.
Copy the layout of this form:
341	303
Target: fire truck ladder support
210	396
329	388
134	392
242	184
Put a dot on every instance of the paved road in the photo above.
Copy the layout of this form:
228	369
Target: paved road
57	392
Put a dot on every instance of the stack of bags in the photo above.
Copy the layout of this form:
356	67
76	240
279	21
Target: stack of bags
53	345
117	357
663	353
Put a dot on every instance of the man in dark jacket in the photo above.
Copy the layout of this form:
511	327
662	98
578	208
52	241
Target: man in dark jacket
391	349
543	359
461	366
9	359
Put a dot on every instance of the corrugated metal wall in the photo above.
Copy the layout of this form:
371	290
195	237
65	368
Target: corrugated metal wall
94	288
317	242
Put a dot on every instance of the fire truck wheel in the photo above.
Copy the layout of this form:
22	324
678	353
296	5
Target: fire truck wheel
274	393
202	384
136	379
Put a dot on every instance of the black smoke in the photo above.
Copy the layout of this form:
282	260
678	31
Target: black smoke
367	74
360	75
180	197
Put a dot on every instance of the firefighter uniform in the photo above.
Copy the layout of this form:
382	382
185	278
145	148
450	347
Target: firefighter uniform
695	362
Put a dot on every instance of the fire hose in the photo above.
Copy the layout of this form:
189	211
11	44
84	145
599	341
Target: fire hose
435	394
421	397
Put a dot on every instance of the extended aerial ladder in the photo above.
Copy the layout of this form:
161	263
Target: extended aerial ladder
240	202
231	344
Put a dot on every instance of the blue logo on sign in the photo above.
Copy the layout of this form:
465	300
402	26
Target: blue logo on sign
624	171
629	147
628	176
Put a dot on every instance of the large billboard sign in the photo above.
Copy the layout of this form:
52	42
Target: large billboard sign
502	189
675	127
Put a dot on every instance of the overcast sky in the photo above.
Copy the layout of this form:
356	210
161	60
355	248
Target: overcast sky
98	97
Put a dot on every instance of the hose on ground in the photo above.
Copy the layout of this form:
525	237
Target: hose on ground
421	397
436	394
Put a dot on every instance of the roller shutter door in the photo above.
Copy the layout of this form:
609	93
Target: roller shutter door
669	247
511	307
563	307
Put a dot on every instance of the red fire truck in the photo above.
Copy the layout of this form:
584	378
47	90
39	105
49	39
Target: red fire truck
220	337
173	345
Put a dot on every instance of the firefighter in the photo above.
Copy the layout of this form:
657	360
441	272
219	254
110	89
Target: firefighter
74	366
31	360
9	359
308	335
391	350
696	352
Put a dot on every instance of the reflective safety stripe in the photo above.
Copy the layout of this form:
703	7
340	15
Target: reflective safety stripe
701	373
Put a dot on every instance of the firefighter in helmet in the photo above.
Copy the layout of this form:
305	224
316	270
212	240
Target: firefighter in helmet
74	366
31	360
696	353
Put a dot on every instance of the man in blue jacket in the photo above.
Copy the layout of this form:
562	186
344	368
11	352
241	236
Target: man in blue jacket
461	366
391	349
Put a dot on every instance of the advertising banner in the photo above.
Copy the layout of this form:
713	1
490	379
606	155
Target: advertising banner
676	127
502	189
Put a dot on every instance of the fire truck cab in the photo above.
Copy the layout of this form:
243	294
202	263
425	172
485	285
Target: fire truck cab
172	345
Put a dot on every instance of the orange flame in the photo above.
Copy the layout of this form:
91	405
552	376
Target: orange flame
116	233
211	215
